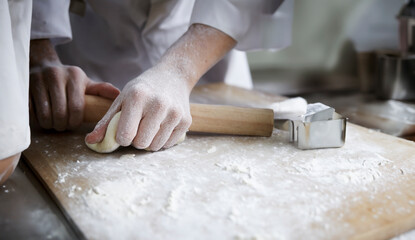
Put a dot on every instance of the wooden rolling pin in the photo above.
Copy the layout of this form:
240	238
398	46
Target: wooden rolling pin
205	118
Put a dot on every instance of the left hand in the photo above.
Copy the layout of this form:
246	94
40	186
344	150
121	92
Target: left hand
155	111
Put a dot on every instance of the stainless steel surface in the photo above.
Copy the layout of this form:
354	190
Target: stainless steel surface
321	134
318	112
320	127
27	211
396	77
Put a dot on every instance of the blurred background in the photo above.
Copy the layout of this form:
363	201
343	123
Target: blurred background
334	59
324	51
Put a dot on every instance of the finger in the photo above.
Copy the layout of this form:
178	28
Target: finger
56	84
179	132
99	131
129	121
76	94
149	126
41	100
105	90
165	131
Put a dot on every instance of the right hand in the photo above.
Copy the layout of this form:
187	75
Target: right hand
155	110
57	91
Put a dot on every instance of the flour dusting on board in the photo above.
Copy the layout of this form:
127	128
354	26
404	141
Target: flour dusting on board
218	187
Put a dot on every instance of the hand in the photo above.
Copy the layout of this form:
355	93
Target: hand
155	106
155	111
57	91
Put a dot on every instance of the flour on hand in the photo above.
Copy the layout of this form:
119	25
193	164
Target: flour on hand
109	144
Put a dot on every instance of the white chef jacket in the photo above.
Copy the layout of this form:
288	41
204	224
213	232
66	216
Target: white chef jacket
116	40
15	17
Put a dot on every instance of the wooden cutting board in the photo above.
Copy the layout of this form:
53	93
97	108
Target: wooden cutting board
225	187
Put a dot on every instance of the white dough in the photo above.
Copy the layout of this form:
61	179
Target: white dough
108	144
289	109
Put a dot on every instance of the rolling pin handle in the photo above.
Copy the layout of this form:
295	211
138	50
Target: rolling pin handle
205	118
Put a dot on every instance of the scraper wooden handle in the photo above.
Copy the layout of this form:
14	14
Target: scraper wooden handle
205	118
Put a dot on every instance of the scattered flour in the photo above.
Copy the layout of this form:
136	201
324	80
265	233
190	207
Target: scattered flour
61	177
172	200
212	149
216	187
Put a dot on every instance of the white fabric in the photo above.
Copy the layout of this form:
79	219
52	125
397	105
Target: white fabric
259	24
15	17
54	24
117	40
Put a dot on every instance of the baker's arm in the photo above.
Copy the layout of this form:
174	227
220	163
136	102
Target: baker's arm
155	105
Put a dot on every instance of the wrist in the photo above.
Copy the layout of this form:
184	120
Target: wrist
179	72
43	53
196	52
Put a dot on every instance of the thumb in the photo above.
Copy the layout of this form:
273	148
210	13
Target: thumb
105	90
98	134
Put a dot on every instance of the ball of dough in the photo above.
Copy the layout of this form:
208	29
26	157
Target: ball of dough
109	144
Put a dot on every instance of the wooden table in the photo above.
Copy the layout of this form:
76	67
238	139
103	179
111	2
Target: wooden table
226	187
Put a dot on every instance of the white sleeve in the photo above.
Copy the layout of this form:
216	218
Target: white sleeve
259	24
14	77
167	21
50	19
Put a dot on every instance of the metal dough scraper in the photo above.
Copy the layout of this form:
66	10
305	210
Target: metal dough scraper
319	127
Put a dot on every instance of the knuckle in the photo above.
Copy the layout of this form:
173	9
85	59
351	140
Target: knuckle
137	94
44	116
160	104
74	69
52	73
77	108
59	114
186	122
161	101
75	72
175	114
138	90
